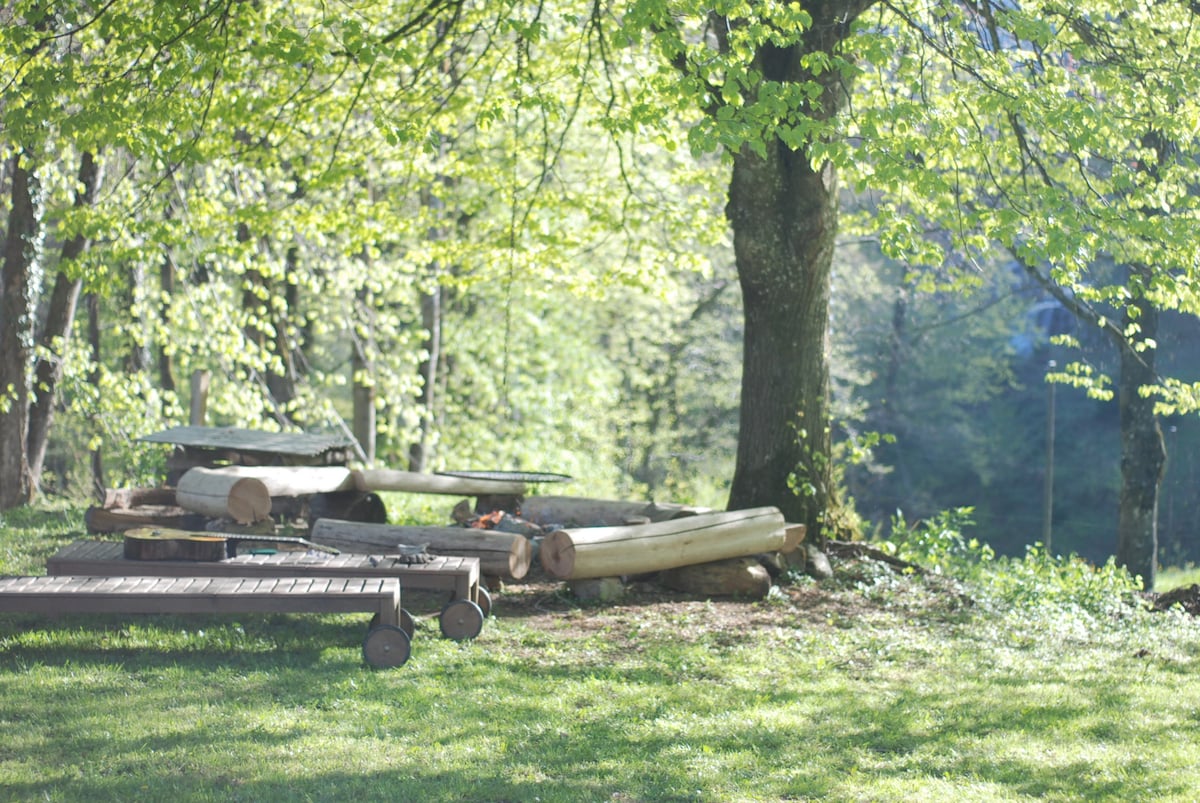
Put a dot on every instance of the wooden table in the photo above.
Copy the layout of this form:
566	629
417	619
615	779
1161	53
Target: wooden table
386	643
461	618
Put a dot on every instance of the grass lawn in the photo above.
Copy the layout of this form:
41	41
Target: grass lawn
872	686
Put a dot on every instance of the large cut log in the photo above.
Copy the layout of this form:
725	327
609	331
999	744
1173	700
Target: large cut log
295	480
735	577
505	555
384	479
573	554
574	511
125	498
100	520
220	494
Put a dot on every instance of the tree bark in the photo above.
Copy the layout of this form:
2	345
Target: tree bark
17	303
1143	451
784	214
60	317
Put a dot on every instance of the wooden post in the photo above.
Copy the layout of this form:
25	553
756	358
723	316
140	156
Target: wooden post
500	554
639	549
199	401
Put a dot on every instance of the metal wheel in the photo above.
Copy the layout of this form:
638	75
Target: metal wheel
386	646
461	620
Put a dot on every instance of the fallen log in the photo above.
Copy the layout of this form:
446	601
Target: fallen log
100	520
295	480
576	511
220	494
383	479
126	498
500	554
573	554
735	577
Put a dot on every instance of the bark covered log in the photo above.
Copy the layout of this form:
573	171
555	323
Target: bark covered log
573	554
573	511
127	498
505	555
414	482
100	520
735	577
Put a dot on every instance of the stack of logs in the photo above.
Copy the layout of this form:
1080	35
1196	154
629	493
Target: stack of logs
583	541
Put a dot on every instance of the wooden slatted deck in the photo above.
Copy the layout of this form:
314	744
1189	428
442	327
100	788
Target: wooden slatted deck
459	575
386	644
163	595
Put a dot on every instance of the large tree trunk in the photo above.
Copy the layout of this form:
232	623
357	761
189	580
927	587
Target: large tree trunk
60	317
784	215
1143	452
17	304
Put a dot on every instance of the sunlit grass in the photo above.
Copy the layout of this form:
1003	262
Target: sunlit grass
1176	577
890	693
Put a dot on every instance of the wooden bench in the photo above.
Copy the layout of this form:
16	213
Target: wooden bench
385	645
461	618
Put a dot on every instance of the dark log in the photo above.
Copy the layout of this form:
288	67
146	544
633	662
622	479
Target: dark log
126	498
500	554
100	520
736	577
566	512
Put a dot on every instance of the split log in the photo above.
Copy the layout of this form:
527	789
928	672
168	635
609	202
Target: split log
295	480
383	479
221	494
736	577
505	555
125	498
101	520
174	545
574	511
573	554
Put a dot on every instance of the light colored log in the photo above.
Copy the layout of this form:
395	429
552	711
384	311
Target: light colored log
573	554
220	494
500	554
386	479
794	535
735	577
577	511
296	480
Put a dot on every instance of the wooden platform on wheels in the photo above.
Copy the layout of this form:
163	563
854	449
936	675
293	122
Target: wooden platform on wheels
386	644
458	575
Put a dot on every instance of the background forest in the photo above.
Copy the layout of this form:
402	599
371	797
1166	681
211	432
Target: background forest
491	251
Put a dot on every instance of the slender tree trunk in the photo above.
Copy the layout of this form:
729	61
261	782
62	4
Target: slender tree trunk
362	377
431	320
17	304
60	317
93	328
1143	451
166	278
